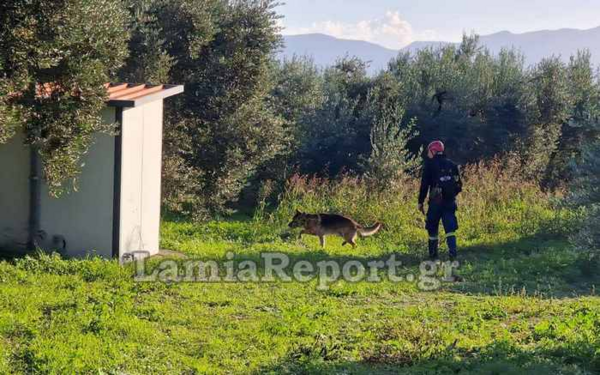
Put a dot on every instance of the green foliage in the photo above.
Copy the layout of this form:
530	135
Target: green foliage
584	187
464	96
390	157
475	102
223	128
55	57
298	91
489	105
341	121
550	105
233	130
167	36
585	194
336	135
296	96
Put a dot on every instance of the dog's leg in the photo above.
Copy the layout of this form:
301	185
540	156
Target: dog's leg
352	240
344	235
301	233
350	237
322	241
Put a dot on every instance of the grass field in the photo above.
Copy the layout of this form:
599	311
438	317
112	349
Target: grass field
526	302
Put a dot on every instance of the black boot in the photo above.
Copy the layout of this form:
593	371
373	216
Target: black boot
433	250
451	240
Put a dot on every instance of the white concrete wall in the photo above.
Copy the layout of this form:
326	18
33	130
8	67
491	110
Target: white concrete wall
85	217
14	193
152	173
140	178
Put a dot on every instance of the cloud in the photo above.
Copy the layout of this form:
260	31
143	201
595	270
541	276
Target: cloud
390	31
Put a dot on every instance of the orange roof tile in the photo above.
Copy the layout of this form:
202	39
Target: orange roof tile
130	95
122	94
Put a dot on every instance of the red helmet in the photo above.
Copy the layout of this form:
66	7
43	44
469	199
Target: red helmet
435	147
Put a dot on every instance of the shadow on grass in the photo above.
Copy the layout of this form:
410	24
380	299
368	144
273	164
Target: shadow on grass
542	266
499	357
10	254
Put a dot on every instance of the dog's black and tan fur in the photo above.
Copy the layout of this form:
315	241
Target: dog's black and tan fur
321	225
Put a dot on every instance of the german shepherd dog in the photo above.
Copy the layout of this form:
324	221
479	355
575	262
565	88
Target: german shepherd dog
321	225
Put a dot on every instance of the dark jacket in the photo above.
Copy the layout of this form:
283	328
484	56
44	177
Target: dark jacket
431	170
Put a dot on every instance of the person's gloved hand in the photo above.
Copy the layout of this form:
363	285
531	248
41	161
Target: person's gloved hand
421	209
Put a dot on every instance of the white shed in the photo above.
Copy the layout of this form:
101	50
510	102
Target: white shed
116	208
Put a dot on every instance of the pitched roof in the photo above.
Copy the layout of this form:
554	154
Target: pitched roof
121	94
133	95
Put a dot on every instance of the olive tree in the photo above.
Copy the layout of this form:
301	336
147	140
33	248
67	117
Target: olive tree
55	57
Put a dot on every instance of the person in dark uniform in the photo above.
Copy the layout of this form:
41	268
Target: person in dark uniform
441	180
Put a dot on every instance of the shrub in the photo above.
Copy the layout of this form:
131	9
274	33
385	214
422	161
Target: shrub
497	201
585	194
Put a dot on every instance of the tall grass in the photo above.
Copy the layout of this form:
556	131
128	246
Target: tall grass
497	204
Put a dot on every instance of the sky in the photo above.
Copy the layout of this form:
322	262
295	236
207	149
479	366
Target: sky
395	24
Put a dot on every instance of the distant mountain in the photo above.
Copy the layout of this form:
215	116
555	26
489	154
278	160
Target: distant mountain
325	50
415	46
539	44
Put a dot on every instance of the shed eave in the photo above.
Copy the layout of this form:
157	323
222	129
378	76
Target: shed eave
167	91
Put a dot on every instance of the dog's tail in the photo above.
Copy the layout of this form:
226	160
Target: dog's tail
369	231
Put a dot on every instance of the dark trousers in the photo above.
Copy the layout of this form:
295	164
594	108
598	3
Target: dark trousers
446	212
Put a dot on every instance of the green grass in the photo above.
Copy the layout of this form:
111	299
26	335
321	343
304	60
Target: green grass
522	305
526	304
